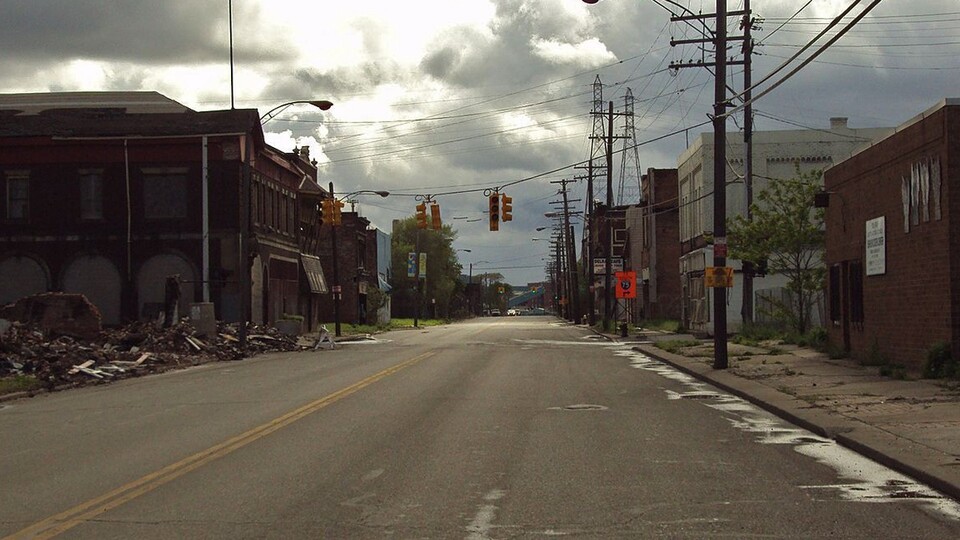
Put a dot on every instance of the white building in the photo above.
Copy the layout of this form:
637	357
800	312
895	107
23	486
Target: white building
776	155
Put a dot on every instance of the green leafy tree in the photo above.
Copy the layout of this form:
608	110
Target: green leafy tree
788	233
443	269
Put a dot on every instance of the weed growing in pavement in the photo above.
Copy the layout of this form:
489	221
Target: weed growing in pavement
875	356
940	363
894	371
835	352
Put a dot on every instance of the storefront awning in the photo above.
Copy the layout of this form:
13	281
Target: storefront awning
311	267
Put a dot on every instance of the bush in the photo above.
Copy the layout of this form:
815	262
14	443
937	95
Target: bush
940	363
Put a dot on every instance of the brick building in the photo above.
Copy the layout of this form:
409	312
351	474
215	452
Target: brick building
356	269
892	231
608	233
653	247
108	193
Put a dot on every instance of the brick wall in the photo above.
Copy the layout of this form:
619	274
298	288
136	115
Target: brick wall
913	304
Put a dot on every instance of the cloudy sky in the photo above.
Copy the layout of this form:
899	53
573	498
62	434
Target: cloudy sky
451	97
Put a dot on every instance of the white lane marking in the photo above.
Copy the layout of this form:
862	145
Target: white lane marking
482	523
869	480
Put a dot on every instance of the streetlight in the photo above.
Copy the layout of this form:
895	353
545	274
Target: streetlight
336	259
470	282
321	104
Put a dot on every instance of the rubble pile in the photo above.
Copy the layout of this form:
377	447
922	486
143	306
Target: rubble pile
57	359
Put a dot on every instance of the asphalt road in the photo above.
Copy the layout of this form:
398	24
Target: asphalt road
494	428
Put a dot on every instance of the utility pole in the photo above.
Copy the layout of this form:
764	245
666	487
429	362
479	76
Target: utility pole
417	291
748	269
719	64
720	186
597	148
336	273
608	263
571	254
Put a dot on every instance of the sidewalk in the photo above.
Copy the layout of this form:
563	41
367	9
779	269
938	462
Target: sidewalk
912	426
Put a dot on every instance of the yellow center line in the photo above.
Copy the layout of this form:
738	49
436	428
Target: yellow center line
59	523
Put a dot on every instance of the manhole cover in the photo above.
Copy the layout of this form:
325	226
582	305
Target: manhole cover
584	407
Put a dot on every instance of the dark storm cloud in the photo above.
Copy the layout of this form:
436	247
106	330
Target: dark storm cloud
157	32
356	79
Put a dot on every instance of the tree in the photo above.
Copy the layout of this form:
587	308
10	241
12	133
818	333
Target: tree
787	233
443	270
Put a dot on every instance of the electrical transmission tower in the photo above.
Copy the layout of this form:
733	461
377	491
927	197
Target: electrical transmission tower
598	150
629	191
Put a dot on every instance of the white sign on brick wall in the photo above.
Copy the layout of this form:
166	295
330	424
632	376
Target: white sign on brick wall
876	255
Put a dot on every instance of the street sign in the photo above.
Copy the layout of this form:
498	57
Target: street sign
600	265
715	276
626	284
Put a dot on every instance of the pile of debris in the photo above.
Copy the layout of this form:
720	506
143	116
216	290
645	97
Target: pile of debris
56	359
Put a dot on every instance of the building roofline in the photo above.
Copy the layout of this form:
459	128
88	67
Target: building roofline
942	104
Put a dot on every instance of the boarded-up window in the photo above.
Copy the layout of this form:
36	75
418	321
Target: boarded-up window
165	193
855	286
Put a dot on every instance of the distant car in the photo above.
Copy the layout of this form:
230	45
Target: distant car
535	311
511	312
494	312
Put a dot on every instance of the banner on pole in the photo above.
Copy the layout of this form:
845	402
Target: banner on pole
411	264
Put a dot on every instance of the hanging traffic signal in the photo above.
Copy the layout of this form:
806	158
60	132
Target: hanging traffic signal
435	217
506	208
326	211
337	212
494	209
422	216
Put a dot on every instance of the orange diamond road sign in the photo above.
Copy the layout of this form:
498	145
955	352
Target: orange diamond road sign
626	284
718	276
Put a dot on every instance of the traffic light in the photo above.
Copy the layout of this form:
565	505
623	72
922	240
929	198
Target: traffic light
506	208
326	211
495	212
435	217
337	214
422	216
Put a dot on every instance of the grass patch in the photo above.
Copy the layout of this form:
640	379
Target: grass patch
675	345
348	329
662	325
18	383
